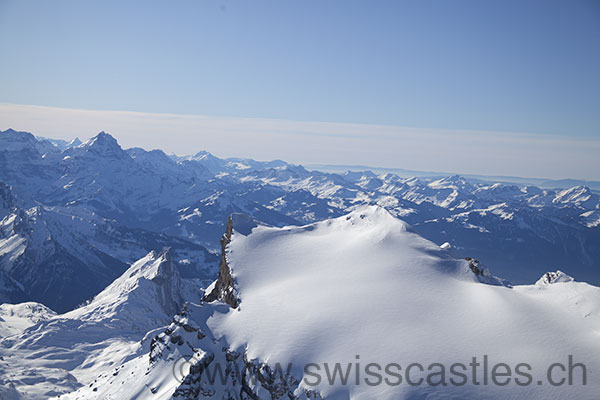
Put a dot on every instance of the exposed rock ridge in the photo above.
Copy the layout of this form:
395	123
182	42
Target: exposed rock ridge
239	378
484	275
167	280
224	288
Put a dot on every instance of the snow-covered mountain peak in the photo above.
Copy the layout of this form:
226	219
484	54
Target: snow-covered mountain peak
154	160
153	265
192	199
384	243
372	227
74	143
591	219
150	289
19	141
102	138
103	144
207	160
355	176
573	193
580	196
202	155
361	286
59	143
374	215
291	168
454	182
498	191
554	277
72	349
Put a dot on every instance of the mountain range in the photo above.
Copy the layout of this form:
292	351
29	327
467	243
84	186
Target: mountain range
363	291
133	274
75	215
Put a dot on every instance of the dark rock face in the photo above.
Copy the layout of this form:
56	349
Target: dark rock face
224	289
168	280
484	275
7	201
213	368
474	265
10	290
47	271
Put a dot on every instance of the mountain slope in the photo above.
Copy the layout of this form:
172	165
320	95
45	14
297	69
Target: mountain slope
63	256
58	353
62	260
359	289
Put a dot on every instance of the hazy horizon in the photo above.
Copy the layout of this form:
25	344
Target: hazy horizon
324	143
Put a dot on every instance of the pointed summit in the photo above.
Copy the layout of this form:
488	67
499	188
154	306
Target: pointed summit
74	143
102	139
145	295
103	144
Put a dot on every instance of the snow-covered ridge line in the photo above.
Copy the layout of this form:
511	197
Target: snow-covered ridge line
361	285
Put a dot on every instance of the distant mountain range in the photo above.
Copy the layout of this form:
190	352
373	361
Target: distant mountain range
74	215
407	173
127	273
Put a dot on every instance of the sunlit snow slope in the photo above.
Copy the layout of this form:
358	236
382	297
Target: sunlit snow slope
364	288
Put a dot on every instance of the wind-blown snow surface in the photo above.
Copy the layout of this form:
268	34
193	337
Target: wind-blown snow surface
366	285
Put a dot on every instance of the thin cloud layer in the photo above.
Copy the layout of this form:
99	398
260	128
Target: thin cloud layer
467	152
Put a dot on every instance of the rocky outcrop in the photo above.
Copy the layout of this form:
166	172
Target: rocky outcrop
224	287
474	265
554	277
484	275
207	367
168	283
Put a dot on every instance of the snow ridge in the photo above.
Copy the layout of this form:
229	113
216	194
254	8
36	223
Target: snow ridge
362	285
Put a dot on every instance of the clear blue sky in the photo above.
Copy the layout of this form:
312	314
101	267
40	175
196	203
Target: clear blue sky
527	66
489	87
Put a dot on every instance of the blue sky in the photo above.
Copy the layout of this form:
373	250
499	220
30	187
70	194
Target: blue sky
510	66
